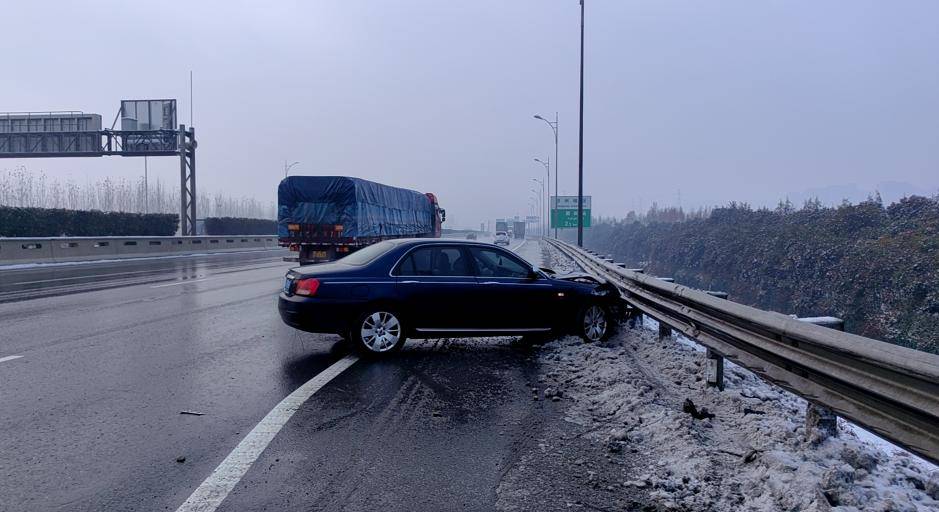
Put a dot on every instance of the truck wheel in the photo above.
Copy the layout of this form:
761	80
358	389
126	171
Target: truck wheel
594	323
378	332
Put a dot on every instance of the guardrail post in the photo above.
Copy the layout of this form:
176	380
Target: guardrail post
664	331
820	421
714	369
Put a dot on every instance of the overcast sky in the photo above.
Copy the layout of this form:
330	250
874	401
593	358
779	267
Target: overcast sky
702	102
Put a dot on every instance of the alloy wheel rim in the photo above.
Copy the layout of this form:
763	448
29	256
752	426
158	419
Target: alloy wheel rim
594	323
381	331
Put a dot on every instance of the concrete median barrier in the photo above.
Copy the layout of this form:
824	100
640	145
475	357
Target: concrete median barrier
15	251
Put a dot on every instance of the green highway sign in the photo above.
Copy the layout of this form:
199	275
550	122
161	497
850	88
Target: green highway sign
564	211
568	218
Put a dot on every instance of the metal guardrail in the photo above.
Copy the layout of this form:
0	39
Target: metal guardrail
888	389
15	251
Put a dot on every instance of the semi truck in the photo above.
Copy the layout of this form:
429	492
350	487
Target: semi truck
519	230
323	218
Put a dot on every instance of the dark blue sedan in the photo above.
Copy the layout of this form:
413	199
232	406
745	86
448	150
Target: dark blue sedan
430	288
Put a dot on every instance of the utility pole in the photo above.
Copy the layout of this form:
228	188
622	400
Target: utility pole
580	155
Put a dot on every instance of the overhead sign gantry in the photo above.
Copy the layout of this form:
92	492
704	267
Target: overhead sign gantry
148	128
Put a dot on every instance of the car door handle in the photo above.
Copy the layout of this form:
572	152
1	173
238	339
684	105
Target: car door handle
409	282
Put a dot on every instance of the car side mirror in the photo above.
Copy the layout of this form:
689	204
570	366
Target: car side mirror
533	274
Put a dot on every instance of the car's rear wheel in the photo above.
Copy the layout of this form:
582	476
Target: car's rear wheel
378	331
594	323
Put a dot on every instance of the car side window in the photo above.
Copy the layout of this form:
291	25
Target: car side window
435	261
495	263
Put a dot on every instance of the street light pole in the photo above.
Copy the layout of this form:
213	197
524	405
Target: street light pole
580	151
554	128
539	196
288	167
547	166
541	202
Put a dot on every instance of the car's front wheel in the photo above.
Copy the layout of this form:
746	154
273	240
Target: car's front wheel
593	323
378	331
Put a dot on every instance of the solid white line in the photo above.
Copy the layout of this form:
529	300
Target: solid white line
8	358
226	476
181	282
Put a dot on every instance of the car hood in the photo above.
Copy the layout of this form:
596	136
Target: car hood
577	277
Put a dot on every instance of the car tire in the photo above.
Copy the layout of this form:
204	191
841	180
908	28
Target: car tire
378	332
594	323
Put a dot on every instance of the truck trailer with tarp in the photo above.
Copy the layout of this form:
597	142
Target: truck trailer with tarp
323	218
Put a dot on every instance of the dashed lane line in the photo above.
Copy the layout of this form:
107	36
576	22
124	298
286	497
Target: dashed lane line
208	496
8	358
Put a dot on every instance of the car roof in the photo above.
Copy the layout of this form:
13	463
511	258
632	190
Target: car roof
422	241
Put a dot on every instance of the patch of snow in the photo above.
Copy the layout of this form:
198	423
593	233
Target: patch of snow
646	399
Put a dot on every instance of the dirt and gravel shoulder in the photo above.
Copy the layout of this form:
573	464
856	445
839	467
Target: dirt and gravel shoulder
641	432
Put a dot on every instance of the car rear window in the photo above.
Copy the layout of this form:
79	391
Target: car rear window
368	254
435	261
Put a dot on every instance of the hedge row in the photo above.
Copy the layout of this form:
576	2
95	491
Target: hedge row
58	222
239	226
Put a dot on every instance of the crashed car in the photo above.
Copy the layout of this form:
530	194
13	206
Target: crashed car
418	288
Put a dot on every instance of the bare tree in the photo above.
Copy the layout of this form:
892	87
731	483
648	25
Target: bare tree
21	187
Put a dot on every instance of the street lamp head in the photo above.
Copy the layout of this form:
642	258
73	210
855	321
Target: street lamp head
539	117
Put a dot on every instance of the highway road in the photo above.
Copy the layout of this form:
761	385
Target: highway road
123	386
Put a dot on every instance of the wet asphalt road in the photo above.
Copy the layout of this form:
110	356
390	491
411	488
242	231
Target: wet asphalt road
91	410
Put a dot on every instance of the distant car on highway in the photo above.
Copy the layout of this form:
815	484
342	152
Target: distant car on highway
471	236
419	288
502	238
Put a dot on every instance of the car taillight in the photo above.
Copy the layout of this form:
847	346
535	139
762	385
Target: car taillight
307	287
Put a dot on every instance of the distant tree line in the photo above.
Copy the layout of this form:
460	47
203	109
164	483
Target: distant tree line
24	188
875	266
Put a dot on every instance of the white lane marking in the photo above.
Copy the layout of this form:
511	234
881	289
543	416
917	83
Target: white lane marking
226	476
8	358
181	282
519	246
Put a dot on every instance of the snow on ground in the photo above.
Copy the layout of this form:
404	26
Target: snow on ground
633	393
530	250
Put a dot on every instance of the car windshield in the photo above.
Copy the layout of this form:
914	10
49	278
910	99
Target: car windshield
368	254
